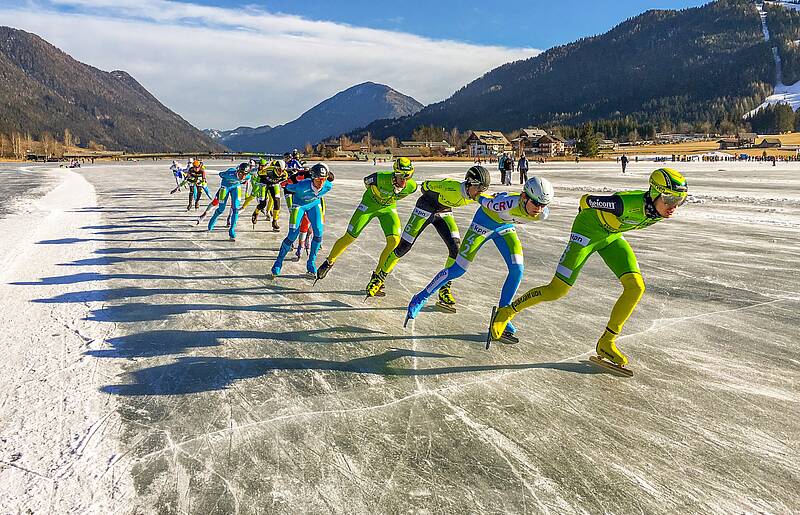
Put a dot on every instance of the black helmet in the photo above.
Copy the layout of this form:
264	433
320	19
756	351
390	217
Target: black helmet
478	176
318	171
244	167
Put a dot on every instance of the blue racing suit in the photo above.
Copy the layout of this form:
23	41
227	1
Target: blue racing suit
306	200
231	187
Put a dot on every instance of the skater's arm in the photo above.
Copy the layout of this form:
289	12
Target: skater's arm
371	180
608	203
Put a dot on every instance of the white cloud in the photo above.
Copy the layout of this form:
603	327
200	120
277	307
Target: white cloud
223	67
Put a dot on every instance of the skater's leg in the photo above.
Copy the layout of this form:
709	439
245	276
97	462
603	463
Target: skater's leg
315	221
286	245
361	217
417	223
620	258
235	195
390	223
445	225
507	242
274	192
220	209
480	229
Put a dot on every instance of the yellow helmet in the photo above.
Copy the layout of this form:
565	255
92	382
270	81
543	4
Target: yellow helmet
404	167
669	183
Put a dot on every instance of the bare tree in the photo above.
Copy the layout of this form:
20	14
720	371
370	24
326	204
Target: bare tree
16	145
309	149
48	144
68	138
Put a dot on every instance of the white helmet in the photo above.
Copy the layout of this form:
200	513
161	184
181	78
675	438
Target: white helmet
280	164
539	190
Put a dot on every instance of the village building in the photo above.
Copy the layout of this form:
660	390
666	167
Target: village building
528	141
770	143
551	146
487	143
742	140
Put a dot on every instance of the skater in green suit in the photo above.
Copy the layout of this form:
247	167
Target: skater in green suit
435	207
598	227
383	190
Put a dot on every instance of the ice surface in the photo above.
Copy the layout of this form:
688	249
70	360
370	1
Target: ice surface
246	395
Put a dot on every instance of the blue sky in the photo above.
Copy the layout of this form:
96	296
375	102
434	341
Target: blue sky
512	23
228	63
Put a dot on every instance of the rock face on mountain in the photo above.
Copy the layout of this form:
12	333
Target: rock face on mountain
704	65
347	110
44	90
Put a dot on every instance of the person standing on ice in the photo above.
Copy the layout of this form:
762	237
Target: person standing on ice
231	188
522	166
435	207
624	161
306	200
379	201
495	221
598	227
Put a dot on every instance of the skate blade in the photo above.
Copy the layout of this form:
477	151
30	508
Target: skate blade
311	275
447	308
616	369
489	329
405	324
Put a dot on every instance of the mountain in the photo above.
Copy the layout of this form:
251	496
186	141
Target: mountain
222	136
44	90
349	109
705	65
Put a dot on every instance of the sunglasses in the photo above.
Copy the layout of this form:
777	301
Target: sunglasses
673	200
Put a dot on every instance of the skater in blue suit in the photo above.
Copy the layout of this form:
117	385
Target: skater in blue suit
306	200
231	188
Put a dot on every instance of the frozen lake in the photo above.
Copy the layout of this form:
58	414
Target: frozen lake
225	392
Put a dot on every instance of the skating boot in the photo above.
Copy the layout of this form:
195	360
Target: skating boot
323	269
275	226
508	338
375	284
311	269
502	317
197	205
254	218
297	252
415	306
446	300
609	356
276	271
